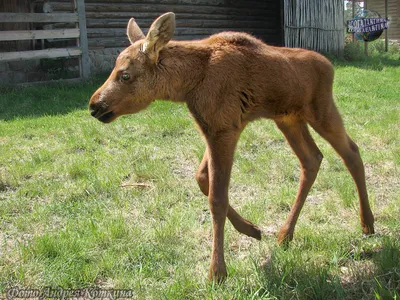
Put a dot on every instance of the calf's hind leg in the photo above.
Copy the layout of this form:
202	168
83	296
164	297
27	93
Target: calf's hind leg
303	145
242	225
331	129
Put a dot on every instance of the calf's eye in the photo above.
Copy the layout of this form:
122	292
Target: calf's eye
125	76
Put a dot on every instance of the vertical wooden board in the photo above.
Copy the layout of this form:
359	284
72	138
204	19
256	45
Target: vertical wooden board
386	31
83	42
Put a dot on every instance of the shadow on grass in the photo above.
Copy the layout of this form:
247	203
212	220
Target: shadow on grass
47	99
373	273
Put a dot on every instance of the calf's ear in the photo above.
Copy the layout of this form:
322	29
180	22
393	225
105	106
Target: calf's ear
160	33
133	31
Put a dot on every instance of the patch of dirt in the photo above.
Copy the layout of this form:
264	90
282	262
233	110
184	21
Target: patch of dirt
184	168
240	246
244	192
356	277
205	216
382	180
315	199
270	230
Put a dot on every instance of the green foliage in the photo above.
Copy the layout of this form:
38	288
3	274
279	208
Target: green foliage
61	67
354	51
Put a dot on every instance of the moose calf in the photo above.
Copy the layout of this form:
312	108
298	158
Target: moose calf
226	81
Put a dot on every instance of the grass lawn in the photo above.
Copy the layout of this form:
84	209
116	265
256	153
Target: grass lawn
84	204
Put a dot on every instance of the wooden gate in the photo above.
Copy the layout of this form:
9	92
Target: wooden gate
77	17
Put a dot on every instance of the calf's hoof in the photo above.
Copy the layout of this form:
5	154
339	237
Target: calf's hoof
248	229
368	229
255	232
285	236
217	274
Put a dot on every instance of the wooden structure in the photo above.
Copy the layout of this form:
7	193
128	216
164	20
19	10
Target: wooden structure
22	6
391	10
76	17
315	24
196	19
312	24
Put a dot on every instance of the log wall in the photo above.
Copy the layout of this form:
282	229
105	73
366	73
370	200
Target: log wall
196	19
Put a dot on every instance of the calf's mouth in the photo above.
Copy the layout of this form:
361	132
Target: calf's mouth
106	117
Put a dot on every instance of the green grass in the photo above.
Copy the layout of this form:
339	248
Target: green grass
72	214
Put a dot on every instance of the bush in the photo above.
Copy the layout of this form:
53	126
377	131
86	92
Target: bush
354	51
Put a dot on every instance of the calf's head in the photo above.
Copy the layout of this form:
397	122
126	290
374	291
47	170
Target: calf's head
132	85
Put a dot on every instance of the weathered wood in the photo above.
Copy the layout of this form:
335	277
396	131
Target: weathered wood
38	18
182	16
38	54
51	82
211	3
393	10
123	42
196	19
11	6
315	24
121	32
189	2
126	7
19	35
196	23
100	43
83	41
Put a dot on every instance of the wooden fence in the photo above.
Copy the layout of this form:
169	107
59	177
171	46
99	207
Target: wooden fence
78	17
315	24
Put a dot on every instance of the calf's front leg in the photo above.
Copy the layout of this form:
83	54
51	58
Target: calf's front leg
242	225
220	158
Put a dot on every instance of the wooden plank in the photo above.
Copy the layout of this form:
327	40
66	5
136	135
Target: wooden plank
51	82
159	9
193	3
83	42
18	35
210	3
145	23
100	43
38	18
121	32
181	16
38	54
122	41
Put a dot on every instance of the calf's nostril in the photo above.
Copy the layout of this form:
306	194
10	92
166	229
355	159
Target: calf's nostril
93	111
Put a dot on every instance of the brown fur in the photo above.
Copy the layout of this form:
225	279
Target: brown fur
226	81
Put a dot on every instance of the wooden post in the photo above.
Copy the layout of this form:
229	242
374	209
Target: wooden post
353	5
365	43
282	24
386	31
83	42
